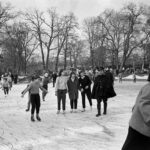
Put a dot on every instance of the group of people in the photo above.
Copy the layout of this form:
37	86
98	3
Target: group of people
72	84
101	91
138	137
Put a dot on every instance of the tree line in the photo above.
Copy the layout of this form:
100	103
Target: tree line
46	40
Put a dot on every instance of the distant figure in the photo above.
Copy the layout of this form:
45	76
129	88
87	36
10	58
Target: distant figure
120	77
54	76
5	86
138	137
134	77
15	78
45	82
9	78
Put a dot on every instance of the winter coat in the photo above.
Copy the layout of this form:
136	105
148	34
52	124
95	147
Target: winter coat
45	81
140	119
99	87
73	87
109	85
83	82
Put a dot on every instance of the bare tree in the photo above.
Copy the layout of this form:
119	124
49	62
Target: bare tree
66	27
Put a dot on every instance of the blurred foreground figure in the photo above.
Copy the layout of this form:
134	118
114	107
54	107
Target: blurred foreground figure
138	137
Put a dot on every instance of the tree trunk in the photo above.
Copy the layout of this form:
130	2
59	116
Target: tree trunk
42	52
65	54
47	59
122	63
57	61
92	55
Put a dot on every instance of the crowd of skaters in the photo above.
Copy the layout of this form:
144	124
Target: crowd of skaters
138	137
72	82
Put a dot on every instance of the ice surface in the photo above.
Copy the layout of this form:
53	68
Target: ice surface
73	131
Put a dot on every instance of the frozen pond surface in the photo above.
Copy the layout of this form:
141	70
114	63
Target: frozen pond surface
76	131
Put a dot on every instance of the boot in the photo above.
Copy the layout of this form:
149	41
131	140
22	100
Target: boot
32	118
38	118
58	111
83	110
105	108
99	110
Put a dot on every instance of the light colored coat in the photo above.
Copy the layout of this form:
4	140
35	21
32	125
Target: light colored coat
140	120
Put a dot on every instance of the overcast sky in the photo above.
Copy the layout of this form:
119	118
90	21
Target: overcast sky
81	8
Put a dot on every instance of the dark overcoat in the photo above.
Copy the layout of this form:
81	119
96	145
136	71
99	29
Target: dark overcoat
73	87
102	88
99	87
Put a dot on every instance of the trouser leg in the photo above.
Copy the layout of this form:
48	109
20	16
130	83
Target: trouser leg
83	99
71	103
105	106
33	99
75	103
29	101
59	100
99	106
88	93
37	104
5	91
64	101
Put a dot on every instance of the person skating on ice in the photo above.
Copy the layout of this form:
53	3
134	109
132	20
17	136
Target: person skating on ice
9	79
35	97
5	86
61	89
73	87
85	87
54	77
45	82
29	94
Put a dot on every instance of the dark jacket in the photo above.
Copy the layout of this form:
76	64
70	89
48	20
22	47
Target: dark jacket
45	81
85	82
99	88
110	78
54	76
73	88
110	84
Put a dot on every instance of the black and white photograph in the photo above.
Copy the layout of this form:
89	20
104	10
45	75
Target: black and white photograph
74	75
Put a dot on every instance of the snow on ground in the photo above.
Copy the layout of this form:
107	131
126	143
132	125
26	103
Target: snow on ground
130	77
77	131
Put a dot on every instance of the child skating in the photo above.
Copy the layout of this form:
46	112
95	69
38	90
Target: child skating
35	97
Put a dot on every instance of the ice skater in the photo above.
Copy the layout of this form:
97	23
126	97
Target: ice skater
138	137
73	87
85	87
35	97
99	91
5	86
9	78
45	82
61	89
29	94
54	77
